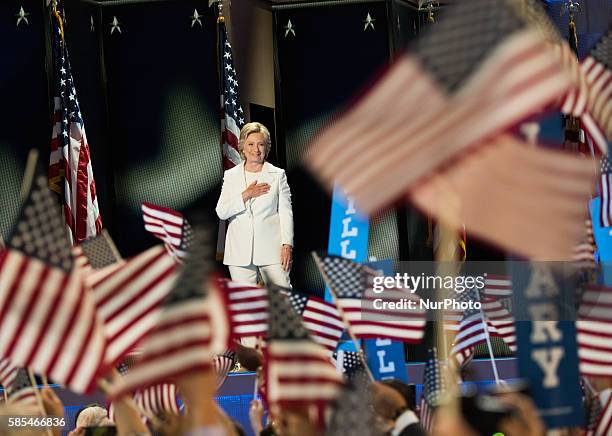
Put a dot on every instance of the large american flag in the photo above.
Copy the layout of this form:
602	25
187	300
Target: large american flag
433	388
320	318
598	70
232	115
352	285
168	225
605	193
297	370
247	308
70	168
594	331
48	318
483	69
191	327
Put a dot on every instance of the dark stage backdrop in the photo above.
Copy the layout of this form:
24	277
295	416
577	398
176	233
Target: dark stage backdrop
26	121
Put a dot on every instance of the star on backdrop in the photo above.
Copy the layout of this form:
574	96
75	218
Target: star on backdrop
195	18
92	28
115	25
22	16
289	28
369	22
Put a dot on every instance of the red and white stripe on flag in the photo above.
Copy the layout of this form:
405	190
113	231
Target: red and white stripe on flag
128	298
49	322
604	423
8	372
323	323
594	332
247	307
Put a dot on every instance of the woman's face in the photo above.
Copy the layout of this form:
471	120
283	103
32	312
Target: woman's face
255	148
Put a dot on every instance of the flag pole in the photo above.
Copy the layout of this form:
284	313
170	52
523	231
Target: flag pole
342	314
28	175
489	346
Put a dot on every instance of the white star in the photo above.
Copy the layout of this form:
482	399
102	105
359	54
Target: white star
62	82
115	25
195	18
63	70
241	120
227	55
92	28
227	43
369	22
232	90
228	67
240	109
22	16
289	28
71	96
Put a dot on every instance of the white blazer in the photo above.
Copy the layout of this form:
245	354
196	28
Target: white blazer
255	231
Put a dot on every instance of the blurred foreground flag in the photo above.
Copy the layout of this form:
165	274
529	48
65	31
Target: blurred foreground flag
170	226
297	370
598	69
48	318
190	328
353	287
487	66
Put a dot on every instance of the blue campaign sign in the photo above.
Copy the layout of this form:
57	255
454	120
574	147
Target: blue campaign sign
348	237
547	350
386	357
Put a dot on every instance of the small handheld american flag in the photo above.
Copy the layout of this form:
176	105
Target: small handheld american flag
433	387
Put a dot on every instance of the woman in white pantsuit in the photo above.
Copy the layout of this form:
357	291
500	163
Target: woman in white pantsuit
256	201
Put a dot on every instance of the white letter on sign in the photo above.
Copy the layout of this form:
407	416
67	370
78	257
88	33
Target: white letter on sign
548	361
383	368
346	232
545	331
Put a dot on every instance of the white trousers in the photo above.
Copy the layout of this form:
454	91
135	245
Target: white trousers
271	274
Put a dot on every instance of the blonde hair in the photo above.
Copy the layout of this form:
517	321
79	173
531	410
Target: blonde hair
250	128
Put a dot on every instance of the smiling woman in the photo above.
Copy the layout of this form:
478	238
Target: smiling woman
256	201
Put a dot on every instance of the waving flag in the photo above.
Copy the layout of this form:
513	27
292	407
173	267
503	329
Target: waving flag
21	392
48	318
605	192
70	168
433	387
603	426
598	70
352	284
129	298
168	225
297	369
483	69
594	331
320	318
353	411
247	307
190	329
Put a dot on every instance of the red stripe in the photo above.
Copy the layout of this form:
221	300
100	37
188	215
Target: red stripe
82	190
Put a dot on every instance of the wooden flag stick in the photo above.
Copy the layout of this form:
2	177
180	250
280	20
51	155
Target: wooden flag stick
342	314
489	346
28	175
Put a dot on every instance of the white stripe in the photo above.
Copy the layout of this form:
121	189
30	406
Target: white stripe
170	218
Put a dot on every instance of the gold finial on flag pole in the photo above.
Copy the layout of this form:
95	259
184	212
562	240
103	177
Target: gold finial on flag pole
220	17
430	11
571	7
59	18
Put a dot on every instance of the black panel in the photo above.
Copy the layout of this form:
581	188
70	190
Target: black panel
163	98
26	117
